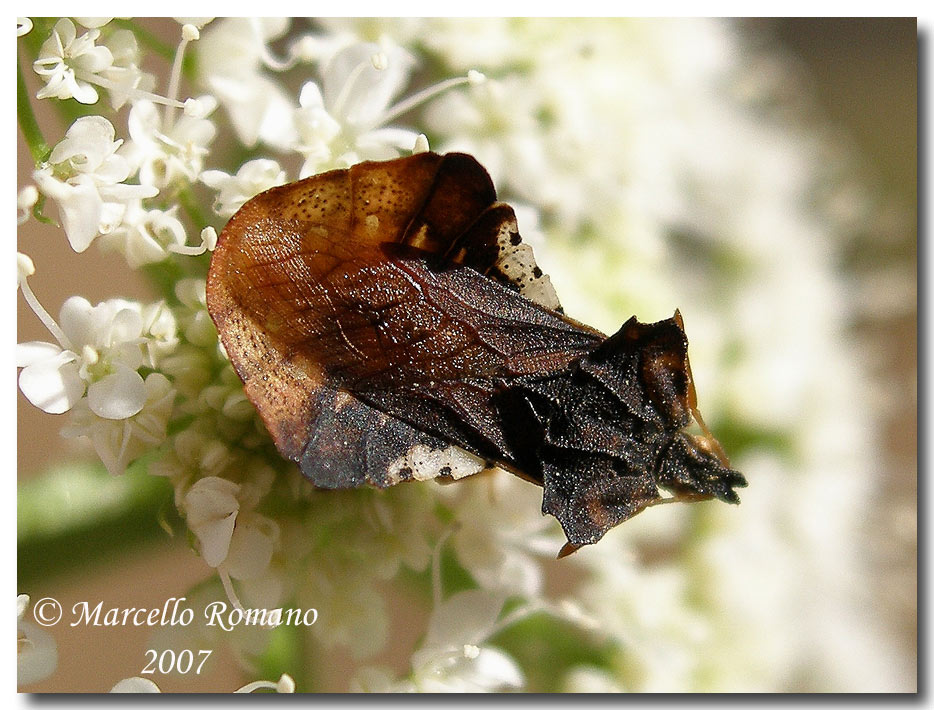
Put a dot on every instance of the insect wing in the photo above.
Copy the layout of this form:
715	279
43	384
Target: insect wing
371	313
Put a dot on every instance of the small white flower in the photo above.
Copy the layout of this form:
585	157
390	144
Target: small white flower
231	57
104	335
164	154
197	326
50	378
36	652
359	90
211	507
100	348
99	351
236	541
23	26
349	120
343	124
71	66
316	129
146	236
123	78
161	332
501	536
67	63
85	176
118	442
253	177
453	657
252	544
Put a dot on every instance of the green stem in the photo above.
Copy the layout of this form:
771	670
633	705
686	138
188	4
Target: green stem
27	121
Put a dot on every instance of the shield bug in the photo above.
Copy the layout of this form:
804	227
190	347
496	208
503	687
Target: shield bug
390	325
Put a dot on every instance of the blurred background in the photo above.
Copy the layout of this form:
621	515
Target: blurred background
857	75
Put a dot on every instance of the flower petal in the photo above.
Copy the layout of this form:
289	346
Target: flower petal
251	546
211	509
35	351
127	325
494	670
75	321
464	618
362	102
84	93
118	395
66	31
81	213
90	136
53	385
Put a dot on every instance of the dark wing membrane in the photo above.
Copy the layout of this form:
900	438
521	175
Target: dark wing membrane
442	354
336	336
350	443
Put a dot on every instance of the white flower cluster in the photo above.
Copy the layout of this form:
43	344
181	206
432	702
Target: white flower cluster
648	186
94	372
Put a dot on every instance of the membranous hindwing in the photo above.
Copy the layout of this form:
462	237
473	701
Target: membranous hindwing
390	325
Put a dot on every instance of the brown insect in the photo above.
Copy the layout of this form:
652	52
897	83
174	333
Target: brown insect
389	324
